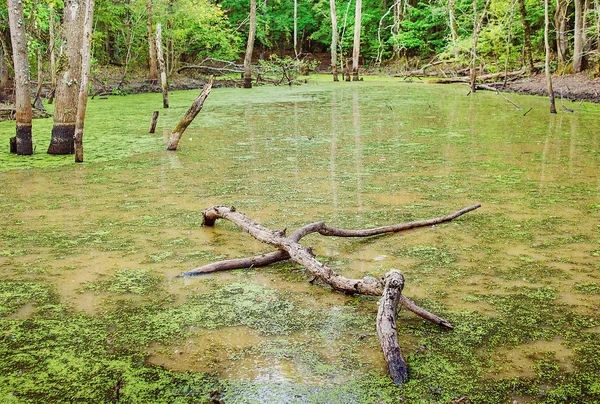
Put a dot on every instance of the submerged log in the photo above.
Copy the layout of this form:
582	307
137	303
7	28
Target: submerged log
386	326
390	287
153	123
189	116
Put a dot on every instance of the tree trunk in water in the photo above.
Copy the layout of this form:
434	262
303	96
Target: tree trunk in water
153	74
562	39
250	46
23	141
547	63
386	326
356	48
526	36
334	37
161	63
69	77
578	37
189	116
153	123
85	72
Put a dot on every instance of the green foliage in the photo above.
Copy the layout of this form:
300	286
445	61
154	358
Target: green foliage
424	30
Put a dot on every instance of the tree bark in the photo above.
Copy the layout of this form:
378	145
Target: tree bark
161	63
296	28
526	37
52	51
153	74
153	123
85	72
334	41
250	46
453	29
477	23
356	47
23	141
386	326
547	62
69	78
578	37
189	116
562	39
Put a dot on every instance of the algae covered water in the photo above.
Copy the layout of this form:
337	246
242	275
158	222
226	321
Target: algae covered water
89	253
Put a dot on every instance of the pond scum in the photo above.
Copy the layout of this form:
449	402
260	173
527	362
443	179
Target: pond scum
91	311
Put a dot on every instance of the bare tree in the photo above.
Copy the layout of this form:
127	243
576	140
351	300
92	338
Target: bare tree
334	40
85	72
23	143
562	39
296	28
250	46
52	52
153	76
547	64
477	24
356	48
69	78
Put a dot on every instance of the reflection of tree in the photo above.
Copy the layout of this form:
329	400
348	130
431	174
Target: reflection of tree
358	149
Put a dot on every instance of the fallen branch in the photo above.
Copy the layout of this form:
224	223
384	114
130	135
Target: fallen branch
189	116
483	77
390	287
490	88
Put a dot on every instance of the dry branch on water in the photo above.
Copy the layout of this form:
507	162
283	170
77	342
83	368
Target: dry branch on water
390	287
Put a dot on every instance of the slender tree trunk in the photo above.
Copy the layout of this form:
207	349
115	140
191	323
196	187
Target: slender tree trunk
453	30
24	143
69	78
250	46
52	52
562	39
296	28
37	100
597	12
578	37
85	72
547	64
153	75
161	64
526	37
477	23
3	71
356	48
334	41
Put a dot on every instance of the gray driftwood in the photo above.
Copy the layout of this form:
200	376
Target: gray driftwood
390	287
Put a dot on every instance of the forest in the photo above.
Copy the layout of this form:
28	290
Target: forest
403	34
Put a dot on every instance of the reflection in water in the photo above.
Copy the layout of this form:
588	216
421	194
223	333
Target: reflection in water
290	159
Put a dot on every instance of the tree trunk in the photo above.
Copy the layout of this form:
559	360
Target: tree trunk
296	28
250	46
153	123
356	48
562	39
386	326
526	37
52	51
161	64
69	77
453	29
189	116
547	64
578	37
153	75
334	41
477	23
85	72
24	142
3	70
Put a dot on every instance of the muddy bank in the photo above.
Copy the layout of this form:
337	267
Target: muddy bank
574	87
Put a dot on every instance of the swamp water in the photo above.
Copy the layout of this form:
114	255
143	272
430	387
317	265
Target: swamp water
91	309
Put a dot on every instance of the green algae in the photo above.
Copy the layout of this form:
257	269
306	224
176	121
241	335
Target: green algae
519	271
